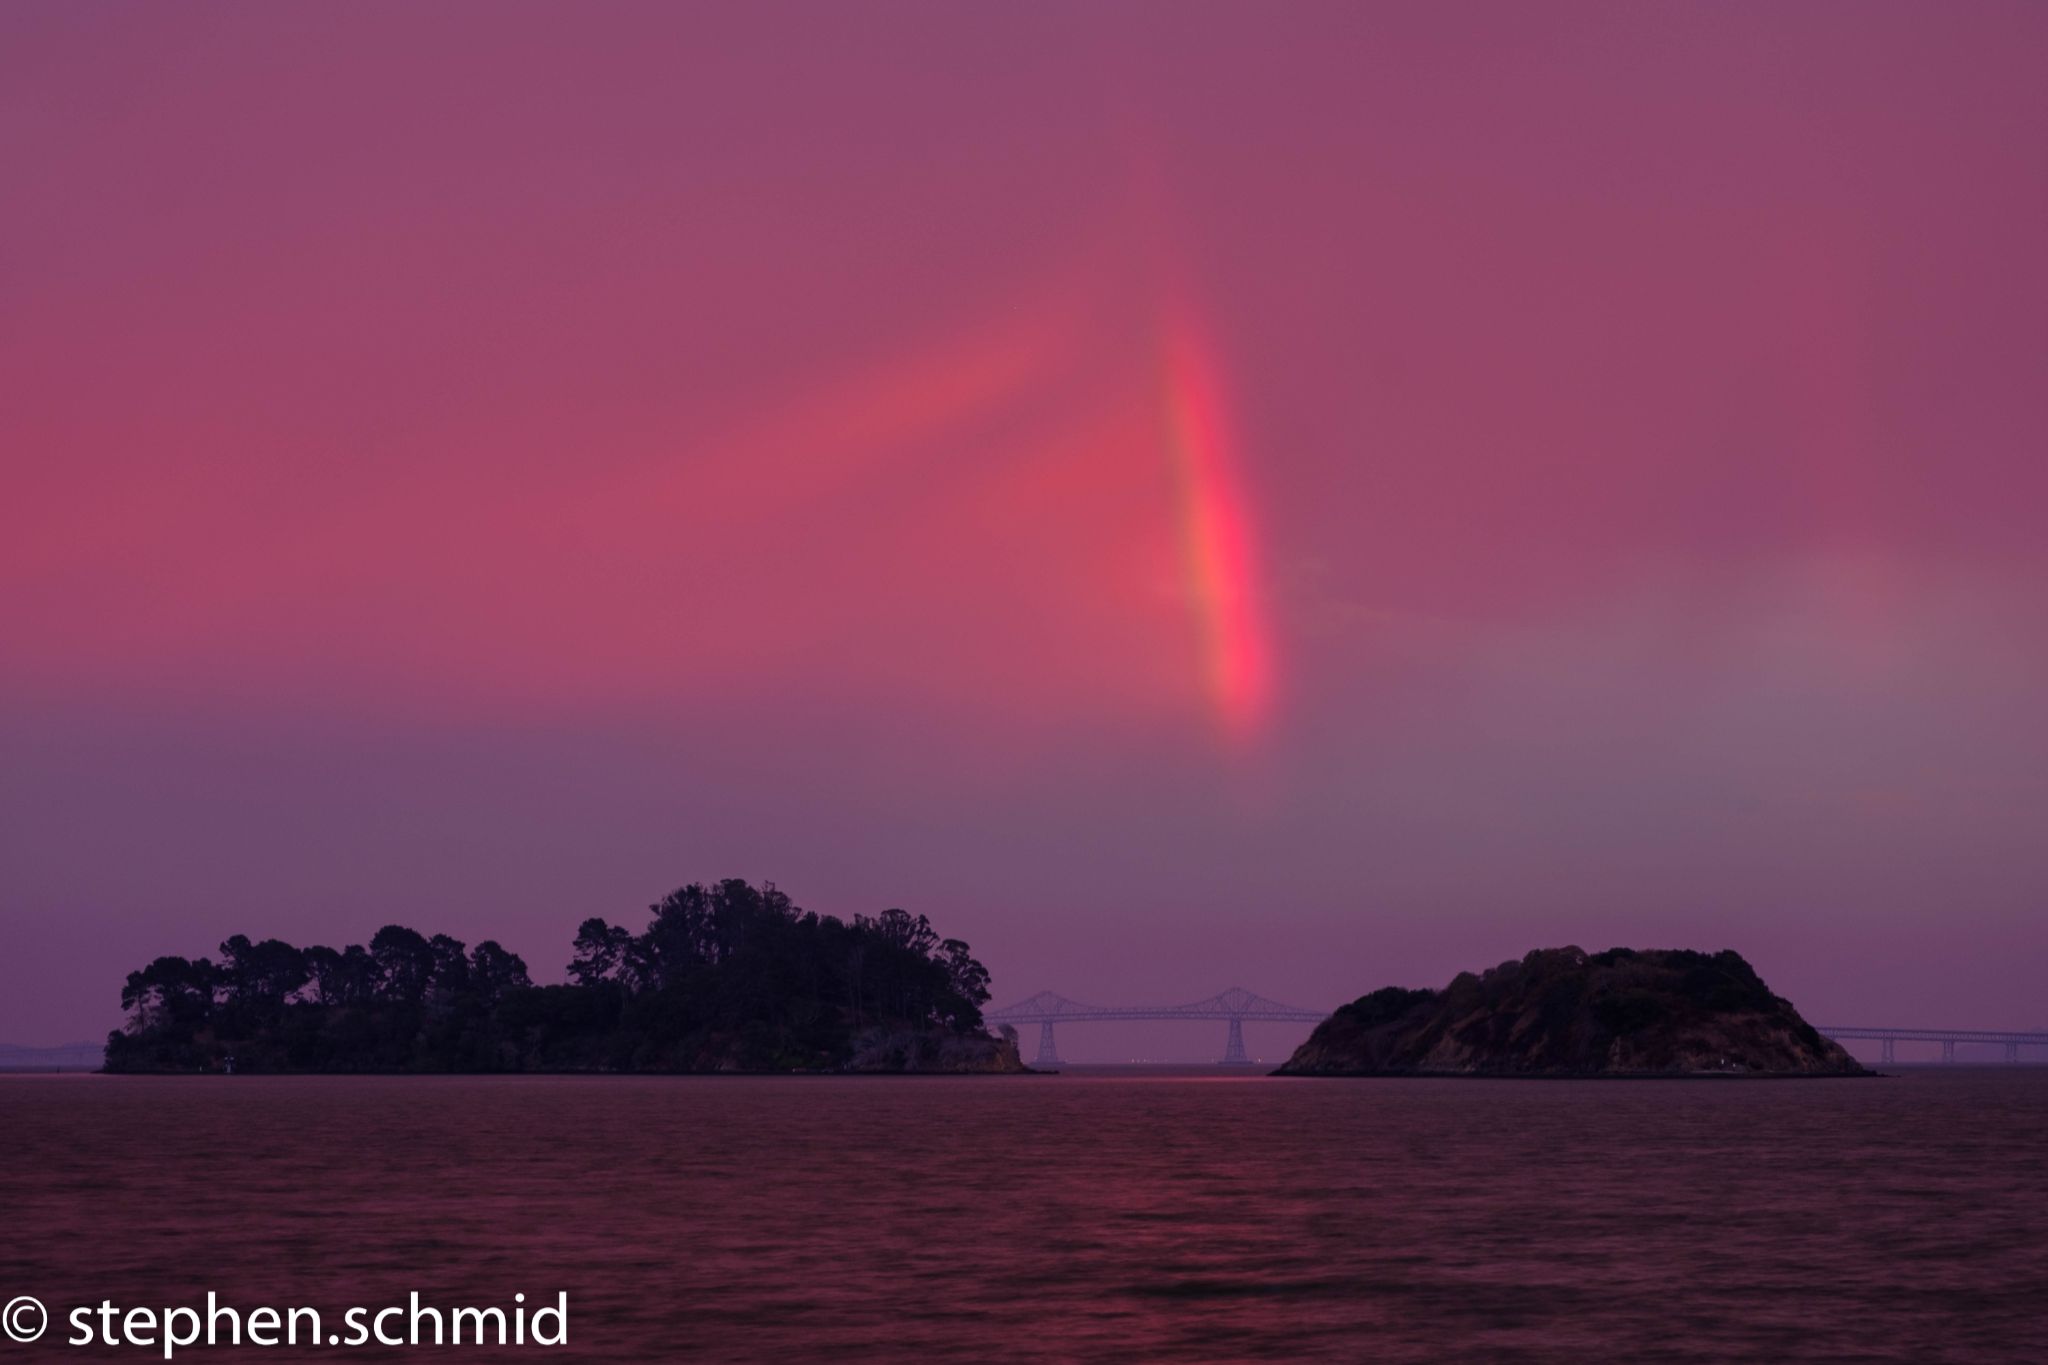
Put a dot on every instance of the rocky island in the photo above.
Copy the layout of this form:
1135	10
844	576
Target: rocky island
726	977
1566	1012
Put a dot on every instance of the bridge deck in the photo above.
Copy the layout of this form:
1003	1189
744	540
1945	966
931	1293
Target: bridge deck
1238	1006
1933	1035
1235	1003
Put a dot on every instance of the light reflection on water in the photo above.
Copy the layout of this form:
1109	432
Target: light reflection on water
1094	1215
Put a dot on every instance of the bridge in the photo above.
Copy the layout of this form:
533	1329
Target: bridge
1232	1007
1236	1005
1890	1038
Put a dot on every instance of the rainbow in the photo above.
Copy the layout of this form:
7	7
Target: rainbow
1218	564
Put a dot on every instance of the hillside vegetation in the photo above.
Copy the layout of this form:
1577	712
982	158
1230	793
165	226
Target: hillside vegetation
1564	1012
726	977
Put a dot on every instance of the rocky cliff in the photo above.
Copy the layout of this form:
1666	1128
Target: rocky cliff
936	1051
1565	1012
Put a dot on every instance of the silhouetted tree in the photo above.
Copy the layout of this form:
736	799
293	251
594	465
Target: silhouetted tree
600	952
494	973
449	974
170	992
258	978
405	964
725	975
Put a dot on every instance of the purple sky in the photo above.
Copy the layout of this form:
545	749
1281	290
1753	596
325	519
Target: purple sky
1308	497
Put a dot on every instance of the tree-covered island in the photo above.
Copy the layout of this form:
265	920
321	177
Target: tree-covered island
726	977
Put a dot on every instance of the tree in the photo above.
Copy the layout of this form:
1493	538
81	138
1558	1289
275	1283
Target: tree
726	974
968	978
260	977
899	930
170	992
601	951
348	977
323	975
405	964
233	983
449	975
681	935
494	972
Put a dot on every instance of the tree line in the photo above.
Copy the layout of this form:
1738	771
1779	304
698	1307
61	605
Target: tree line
726	976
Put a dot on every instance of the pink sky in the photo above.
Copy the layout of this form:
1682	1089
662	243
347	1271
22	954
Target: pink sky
1308	497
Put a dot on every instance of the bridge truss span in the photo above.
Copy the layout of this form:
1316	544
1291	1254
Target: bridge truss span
1888	1039
1232	1007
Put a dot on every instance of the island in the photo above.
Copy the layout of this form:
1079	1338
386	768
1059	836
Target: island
727	977
1563	1012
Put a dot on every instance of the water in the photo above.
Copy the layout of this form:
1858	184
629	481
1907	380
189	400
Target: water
1079	1217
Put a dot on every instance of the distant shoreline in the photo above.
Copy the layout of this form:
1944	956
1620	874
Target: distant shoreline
50	1070
1577	1075
510	1075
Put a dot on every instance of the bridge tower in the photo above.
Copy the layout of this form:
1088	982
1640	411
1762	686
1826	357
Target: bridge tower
1048	1054
1233	1050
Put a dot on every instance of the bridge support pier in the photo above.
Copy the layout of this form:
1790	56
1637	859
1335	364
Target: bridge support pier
1233	1050
1885	1057
1048	1054
2012	1053
1948	1050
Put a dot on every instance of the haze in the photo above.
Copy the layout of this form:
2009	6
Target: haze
1184	495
